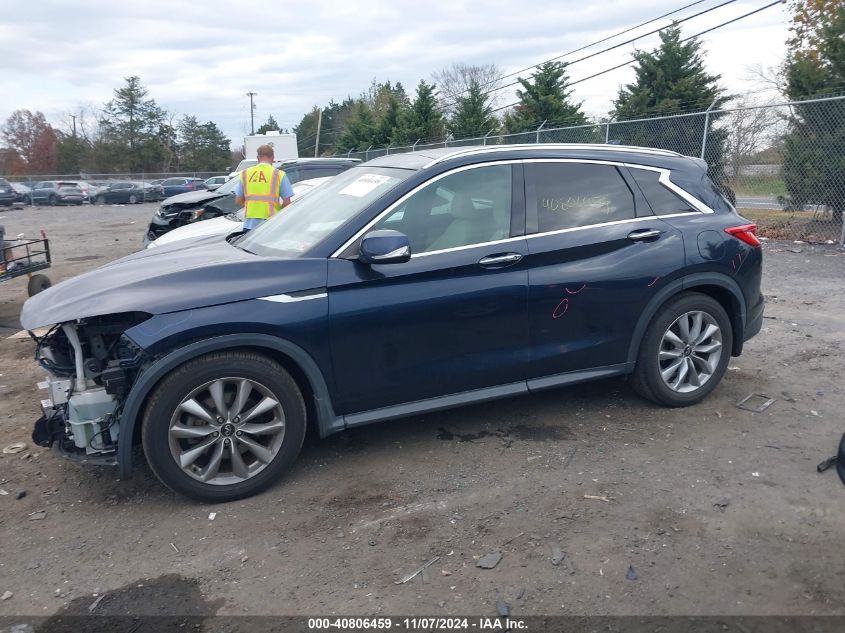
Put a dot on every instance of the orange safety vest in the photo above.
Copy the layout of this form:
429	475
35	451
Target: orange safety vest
261	190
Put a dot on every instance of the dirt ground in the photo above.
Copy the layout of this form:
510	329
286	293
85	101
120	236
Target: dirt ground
598	502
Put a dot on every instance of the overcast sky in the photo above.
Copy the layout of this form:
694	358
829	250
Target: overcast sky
201	58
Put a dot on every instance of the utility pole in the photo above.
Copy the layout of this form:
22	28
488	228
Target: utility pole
73	116
317	143
251	110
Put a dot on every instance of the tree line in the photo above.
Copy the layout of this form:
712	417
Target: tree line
131	134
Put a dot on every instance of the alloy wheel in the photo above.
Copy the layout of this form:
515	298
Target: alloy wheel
226	431
690	351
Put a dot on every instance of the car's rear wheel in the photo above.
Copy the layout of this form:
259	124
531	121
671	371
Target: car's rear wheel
27	200
224	426
685	351
101	200
52	201
133	199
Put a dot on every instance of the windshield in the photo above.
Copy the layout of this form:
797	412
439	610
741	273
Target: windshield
311	219
247	162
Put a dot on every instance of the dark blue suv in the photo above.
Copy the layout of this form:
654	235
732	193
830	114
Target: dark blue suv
411	283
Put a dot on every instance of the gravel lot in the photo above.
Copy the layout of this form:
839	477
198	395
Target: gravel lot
598	502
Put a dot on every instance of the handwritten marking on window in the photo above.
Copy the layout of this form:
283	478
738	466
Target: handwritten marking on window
576	202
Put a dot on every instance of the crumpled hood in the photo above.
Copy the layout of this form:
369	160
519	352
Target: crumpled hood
171	278
220	226
192	197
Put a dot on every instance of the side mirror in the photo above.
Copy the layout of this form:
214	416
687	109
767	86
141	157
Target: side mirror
384	247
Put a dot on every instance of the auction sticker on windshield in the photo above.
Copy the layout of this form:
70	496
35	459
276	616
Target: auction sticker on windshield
364	185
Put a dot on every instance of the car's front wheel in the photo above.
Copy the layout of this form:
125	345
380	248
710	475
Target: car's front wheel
685	351
52	200
224	426
133	199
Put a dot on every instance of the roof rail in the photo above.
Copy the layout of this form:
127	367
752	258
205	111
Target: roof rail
465	151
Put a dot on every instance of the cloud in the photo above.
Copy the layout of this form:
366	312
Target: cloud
202	59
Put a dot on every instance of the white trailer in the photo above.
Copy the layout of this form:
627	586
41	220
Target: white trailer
284	145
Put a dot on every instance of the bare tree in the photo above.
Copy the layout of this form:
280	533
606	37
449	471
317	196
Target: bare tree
454	81
750	131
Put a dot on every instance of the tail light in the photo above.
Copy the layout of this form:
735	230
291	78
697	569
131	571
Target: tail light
747	233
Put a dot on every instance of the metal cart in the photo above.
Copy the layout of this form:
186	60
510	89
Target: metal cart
26	257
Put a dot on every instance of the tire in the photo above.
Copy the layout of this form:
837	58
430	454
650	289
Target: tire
133	199
37	283
27	201
101	200
193	384
661	354
52	201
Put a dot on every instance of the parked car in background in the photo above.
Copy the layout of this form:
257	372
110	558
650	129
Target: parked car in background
246	163
122	192
153	191
204	205
298	169
226	224
21	191
215	181
85	188
173	186
8	196
55	192
409	284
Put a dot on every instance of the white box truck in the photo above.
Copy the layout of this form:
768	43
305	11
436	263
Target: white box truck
284	148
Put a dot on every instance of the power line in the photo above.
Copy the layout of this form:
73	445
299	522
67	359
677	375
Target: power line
610	48
631	61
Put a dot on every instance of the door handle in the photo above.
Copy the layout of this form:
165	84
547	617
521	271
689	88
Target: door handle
500	261
644	234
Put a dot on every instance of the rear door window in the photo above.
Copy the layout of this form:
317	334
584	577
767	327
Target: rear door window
563	195
661	200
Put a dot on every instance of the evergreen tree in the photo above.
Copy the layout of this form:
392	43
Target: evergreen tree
544	97
473	114
360	129
814	147
202	146
269	126
422	120
388	120
132	122
672	78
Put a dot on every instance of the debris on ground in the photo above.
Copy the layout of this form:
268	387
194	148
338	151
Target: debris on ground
212	516
557	555
7	595
513	538
489	561
416	572
20	494
597	498
14	448
95	604
815	413
175	549
828	463
632	573
787	396
503	608
755	402
37	516
721	504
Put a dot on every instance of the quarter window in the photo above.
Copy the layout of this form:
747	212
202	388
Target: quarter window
661	200
571	195
468	207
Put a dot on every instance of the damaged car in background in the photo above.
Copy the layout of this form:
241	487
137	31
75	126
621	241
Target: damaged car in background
409	284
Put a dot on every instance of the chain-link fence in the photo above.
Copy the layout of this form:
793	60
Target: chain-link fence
29	180
784	162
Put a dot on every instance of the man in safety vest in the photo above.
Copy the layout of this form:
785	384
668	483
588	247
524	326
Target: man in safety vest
260	189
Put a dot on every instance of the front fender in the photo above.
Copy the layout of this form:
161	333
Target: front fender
327	421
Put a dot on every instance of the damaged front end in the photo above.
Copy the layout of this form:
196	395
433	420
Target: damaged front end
90	366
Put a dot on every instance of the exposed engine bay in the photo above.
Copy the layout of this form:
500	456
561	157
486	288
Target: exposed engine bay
90	368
